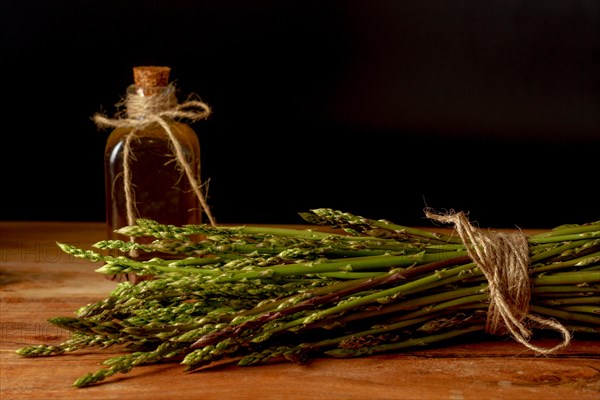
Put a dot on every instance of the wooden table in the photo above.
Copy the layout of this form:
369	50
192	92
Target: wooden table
38	281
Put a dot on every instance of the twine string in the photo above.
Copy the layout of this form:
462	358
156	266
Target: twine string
503	258
143	111
131	209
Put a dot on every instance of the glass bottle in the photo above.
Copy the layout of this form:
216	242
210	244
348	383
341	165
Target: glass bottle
159	189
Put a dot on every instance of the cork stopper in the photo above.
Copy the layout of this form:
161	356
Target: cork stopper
151	76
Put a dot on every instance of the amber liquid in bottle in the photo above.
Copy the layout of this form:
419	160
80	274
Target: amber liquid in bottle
161	191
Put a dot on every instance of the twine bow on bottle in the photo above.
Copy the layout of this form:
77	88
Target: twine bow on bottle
144	110
503	258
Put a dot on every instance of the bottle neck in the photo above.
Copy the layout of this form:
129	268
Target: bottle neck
143	102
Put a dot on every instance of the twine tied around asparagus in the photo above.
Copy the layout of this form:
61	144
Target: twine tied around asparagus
503	258
145	110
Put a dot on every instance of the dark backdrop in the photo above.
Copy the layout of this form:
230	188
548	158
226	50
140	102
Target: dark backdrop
374	107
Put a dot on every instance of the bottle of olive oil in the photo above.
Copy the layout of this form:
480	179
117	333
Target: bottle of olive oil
143	176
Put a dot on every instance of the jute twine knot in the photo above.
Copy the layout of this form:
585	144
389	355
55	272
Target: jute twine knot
503	258
144	110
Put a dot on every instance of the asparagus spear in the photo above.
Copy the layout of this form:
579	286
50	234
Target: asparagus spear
252	294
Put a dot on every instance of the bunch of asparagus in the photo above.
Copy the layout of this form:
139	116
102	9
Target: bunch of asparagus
252	295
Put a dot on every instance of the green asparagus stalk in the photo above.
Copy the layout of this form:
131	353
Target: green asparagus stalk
253	294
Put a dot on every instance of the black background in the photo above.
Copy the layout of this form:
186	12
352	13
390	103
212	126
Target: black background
379	108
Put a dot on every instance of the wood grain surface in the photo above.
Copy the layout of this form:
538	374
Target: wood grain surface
37	282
